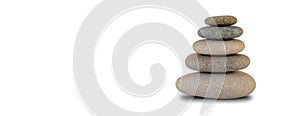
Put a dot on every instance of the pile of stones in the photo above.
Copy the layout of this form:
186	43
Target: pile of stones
218	63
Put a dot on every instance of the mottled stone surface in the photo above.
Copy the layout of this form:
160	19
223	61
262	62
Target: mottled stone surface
219	86
220	33
221	20
204	63
210	47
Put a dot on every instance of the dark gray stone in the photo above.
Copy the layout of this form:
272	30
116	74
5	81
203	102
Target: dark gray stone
220	33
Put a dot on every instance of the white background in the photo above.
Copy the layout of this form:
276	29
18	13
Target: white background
36	47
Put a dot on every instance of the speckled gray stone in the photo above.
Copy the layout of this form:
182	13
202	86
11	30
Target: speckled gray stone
220	33
221	86
210	47
221	20
204	63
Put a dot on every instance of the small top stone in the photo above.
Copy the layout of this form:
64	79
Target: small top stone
221	20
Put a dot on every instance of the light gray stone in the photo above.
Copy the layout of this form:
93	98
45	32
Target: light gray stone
220	33
204	63
211	47
221	86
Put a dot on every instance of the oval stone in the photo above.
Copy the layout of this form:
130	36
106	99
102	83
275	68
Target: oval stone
221	20
210	47
220	33
204	63
217	86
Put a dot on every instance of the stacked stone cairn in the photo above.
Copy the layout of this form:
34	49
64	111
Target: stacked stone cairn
218	63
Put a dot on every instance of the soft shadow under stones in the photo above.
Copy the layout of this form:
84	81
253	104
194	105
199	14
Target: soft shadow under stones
200	99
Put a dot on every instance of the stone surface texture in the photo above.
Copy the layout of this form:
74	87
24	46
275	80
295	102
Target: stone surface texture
204	63
221	86
220	33
210	47
221	20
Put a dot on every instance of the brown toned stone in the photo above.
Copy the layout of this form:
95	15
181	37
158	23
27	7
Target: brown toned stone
221	20
210	47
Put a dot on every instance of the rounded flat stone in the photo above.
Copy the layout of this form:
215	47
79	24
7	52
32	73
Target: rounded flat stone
220	33
221	20
217	86
204	63
210	47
